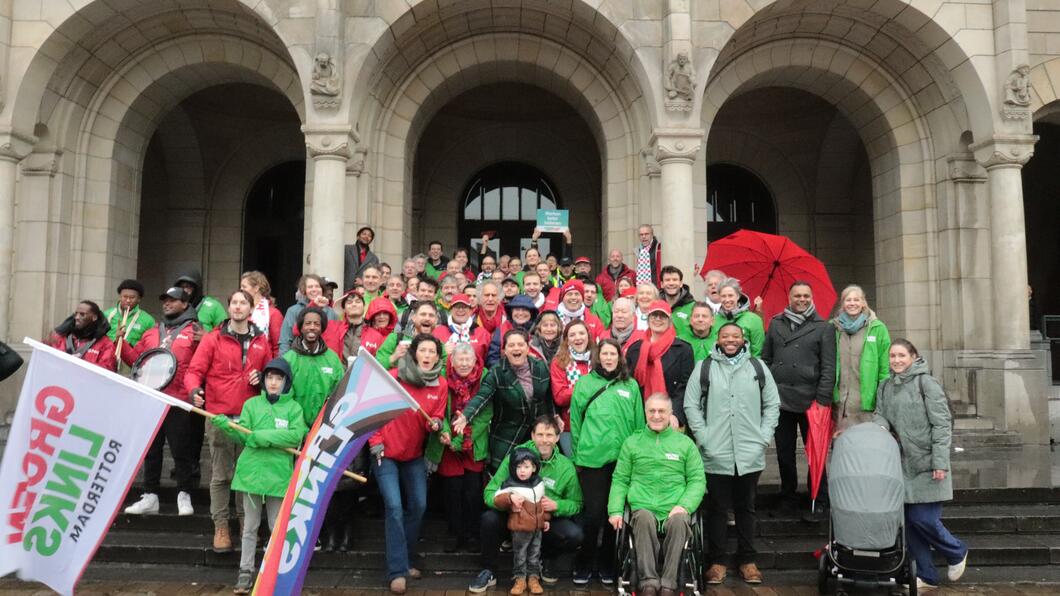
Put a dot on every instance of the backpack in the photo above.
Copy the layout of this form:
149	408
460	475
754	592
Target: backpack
704	380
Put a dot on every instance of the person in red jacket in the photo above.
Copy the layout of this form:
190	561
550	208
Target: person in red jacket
573	308
175	333
380	319
84	335
615	270
264	313
224	373
461	327
573	359
490	311
344	336
397	454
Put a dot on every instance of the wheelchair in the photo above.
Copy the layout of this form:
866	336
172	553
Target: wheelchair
690	572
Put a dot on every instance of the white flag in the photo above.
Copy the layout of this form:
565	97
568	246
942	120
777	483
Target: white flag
78	437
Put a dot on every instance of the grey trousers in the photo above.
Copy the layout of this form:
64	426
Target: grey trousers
223	455
252	506
677	530
526	553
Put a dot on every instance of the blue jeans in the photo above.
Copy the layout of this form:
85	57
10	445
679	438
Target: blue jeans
397	478
923	532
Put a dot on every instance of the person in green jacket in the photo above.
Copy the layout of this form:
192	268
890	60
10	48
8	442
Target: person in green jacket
127	317
732	427
563	499
700	331
735	308
597	305
423	318
264	470
862	345
676	293
605	409
316	370
660	475
211	312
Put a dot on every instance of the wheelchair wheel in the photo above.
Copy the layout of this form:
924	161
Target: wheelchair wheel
626	563
823	576
911	577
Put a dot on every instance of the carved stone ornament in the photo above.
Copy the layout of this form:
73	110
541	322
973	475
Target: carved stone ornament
328	145
1017	94
677	144
1006	151
651	165
964	168
326	86
355	167
680	84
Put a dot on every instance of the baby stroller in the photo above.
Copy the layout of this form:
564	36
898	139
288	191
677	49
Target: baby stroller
866	540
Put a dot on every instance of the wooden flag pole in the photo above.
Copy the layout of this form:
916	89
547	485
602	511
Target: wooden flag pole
291	450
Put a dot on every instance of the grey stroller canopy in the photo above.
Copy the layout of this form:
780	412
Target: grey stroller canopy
866	488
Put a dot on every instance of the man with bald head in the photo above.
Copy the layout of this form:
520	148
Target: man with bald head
611	273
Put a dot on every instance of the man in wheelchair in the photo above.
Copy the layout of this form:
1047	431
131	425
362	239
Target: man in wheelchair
659	474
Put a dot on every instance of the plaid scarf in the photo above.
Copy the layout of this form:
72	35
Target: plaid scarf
461	333
573	374
797	319
566	316
644	265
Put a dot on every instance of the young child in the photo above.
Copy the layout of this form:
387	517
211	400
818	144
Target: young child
264	469
520	494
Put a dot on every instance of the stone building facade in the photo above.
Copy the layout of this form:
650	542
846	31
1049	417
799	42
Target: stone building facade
144	138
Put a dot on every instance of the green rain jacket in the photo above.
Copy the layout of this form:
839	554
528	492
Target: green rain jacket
753	329
701	346
657	471
557	472
314	377
211	313
263	467
616	413
874	366
139	321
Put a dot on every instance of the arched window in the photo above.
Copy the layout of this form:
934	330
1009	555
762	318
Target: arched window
737	199
503	200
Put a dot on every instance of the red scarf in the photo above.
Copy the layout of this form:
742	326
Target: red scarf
490	324
649	370
461	390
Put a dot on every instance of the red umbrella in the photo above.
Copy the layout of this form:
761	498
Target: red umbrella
766	266
820	437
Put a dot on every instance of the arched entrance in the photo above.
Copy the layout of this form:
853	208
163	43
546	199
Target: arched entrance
502	202
198	170
1040	189
273	228
786	161
495	154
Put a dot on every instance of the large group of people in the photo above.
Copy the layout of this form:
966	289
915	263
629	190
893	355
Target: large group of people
561	404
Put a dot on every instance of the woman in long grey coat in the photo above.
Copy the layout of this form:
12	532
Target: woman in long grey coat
913	404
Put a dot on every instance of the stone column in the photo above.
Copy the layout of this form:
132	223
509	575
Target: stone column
1003	157
329	151
676	150
12	149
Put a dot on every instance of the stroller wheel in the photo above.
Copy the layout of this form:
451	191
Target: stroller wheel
823	576
912	577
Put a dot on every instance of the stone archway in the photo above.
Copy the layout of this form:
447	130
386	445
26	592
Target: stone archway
97	103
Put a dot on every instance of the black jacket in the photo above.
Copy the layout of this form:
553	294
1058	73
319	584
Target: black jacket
677	367
802	361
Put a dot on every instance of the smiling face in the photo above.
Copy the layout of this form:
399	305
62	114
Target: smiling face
460	313
395	288
614	258
548	328
901	358
515	349
854	303
800	298
514	265
521	316
702	319
646	294
573	300
590	293
449	288
381	320
464	362
542	270
435	250
658	411
531	285
372	279
408	269
729	298
313	289
425	319
311	327
172	307
365	236
658	322
671	284
532	257
621	285
354	309
730	338
488	264
425	292
578	338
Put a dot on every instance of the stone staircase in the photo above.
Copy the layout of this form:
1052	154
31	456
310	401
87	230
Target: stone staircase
1005	527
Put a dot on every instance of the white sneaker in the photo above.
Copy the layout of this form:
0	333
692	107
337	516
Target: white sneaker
148	504
183	504
920	585
955	572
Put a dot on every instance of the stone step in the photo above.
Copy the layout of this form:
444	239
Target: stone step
972	423
773	552
961	519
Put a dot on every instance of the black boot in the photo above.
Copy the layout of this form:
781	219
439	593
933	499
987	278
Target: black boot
347	538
